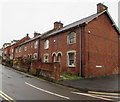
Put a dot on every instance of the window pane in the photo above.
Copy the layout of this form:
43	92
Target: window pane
46	44
71	58
54	58
71	37
45	58
71	62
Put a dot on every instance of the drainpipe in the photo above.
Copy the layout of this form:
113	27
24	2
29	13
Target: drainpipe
39	48
118	52
80	69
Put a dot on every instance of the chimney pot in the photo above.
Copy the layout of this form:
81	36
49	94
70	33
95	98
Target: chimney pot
36	34
27	35
58	25
101	7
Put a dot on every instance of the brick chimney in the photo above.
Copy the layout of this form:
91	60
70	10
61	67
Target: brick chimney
27	35
36	34
101	7
58	25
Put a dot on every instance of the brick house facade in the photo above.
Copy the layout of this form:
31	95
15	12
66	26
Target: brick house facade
93	48
17	50
9	48
6	52
28	49
88	47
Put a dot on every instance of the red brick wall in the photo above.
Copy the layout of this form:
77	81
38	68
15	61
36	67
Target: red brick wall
101	47
60	45
51	70
19	42
30	49
12	48
6	51
119	55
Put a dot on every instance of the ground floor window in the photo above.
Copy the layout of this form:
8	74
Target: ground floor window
35	56
54	58
71	58
59	57
46	57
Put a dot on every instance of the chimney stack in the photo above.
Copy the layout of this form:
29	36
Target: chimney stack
36	34
27	35
101	7
58	25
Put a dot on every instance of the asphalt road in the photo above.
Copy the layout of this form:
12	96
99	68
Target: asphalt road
17	86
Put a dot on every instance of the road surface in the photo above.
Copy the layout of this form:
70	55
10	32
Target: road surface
17	86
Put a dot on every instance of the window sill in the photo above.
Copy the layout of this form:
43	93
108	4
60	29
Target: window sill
46	48
71	43
71	66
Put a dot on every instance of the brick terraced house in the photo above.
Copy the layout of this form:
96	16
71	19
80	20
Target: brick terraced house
88	47
28	48
9	48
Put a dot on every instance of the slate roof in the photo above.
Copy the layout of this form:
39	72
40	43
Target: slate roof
83	21
34	38
15	40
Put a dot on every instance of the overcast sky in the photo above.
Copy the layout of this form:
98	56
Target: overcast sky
19	17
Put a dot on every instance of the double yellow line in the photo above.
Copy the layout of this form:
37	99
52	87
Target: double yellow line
6	97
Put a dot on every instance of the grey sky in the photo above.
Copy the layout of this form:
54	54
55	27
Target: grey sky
19	17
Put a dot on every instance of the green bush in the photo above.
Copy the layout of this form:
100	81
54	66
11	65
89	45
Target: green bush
15	62
8	61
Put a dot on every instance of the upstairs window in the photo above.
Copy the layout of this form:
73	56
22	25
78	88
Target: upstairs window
12	50
46	44
16	50
25	48
20	49
72	38
36	44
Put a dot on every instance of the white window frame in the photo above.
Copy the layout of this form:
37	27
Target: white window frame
46	60
12	50
11	56
74	38
36	44
25	48
68	60
35	55
19	49
59	55
54	58
46	44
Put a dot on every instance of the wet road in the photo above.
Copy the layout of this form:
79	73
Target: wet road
19	86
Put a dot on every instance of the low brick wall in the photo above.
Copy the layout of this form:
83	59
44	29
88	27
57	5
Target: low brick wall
50	70
22	66
7	64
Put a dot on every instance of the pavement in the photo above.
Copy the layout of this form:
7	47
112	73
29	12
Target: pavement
102	84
